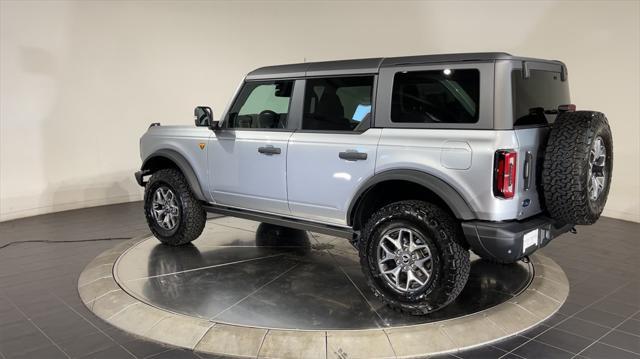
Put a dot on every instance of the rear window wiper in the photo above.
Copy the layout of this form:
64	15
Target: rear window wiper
540	111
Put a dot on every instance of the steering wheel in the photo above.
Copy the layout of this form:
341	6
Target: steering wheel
271	116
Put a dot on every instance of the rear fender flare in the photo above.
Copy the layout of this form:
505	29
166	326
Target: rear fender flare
448	194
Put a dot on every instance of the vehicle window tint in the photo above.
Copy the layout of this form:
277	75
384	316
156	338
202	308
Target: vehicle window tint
261	105
338	104
438	96
536	99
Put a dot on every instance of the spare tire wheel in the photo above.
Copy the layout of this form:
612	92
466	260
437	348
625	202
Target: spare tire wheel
577	168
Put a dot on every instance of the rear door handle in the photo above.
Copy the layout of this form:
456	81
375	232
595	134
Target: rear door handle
270	150
353	156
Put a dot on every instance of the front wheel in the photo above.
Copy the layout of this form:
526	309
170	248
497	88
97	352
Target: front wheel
411	254
173	213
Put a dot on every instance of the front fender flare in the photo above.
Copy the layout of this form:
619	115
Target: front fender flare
183	165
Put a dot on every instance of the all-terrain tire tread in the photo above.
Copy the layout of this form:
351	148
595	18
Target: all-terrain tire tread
450	240
566	164
193	217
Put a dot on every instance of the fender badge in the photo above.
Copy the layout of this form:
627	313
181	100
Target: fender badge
526	203
201	145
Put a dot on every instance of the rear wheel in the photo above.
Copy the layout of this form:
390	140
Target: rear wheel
411	254
173	213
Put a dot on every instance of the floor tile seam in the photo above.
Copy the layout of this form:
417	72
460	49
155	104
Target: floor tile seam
564	320
262	342
326	344
122	310
609	332
443	332
576	334
36	270
255	291
550	345
518	356
92	301
94	280
165	316
537	338
393	350
610	312
353	283
160	353
551	280
549	297
361	293
37	327
500	349
523	308
488	317
93	325
616	347
607	312
606	326
202	268
213	324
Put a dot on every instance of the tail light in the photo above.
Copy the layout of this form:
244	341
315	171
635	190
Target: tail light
504	180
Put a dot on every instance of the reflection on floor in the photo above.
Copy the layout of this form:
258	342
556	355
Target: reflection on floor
41	315
246	273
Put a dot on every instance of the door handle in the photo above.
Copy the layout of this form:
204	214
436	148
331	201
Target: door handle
353	156
270	150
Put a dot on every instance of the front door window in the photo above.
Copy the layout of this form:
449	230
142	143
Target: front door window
261	105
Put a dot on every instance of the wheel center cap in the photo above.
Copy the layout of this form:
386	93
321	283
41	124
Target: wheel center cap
404	260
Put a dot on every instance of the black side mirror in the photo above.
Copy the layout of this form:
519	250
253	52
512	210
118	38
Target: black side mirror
204	117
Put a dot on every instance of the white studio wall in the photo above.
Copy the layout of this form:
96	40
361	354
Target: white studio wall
81	81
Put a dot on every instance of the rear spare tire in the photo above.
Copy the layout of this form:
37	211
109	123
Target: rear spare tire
578	164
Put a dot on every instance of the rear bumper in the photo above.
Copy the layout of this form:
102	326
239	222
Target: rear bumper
505	241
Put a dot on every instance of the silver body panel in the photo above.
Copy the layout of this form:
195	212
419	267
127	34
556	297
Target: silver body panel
245	178
320	184
308	180
435	151
184	140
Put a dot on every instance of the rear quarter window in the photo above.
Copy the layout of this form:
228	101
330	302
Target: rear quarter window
437	96
536	99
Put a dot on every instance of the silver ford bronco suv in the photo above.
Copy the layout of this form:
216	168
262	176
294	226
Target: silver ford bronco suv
415	160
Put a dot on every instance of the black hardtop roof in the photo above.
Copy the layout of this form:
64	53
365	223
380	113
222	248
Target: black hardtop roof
373	65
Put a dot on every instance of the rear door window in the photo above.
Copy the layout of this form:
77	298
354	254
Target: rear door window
338	104
536	99
437	96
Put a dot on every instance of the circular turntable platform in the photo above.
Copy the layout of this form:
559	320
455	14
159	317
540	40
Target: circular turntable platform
251	289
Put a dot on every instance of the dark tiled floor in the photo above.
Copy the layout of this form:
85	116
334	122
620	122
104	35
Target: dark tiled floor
41	315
